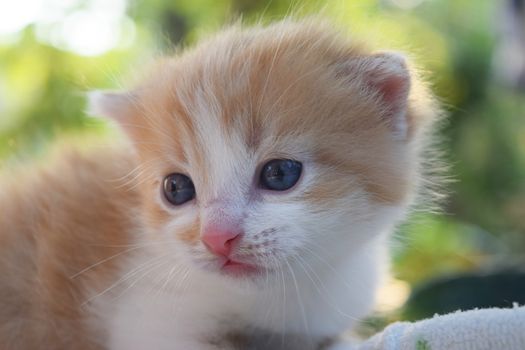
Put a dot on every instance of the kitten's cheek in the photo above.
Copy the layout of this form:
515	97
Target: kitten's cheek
187	232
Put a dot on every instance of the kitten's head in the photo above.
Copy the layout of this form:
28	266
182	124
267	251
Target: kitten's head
262	147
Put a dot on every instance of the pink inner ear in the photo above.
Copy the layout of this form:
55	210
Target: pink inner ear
394	89
394	92
390	78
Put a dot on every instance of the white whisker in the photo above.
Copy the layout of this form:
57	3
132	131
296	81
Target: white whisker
124	278
299	298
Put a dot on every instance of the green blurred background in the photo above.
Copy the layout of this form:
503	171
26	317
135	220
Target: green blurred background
472	53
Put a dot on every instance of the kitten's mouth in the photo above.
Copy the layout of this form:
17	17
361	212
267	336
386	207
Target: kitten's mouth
238	269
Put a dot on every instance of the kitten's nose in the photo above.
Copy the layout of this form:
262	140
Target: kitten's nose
220	242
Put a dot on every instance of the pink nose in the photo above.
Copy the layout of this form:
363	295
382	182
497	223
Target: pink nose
220	242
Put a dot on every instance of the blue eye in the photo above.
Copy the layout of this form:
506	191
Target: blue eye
280	174
178	189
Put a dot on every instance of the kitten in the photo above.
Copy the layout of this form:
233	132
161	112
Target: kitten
252	210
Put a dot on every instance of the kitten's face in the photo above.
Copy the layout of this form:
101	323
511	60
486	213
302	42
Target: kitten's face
272	149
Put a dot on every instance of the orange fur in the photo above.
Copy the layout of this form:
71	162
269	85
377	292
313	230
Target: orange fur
56	221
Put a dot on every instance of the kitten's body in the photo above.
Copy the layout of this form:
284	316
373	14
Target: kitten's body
55	221
81	210
95	258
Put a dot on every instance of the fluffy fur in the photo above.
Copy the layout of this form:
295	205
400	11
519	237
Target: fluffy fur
93	257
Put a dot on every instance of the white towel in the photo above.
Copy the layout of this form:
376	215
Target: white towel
484	329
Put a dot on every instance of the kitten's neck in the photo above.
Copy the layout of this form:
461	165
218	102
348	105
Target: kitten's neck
324	296
318	298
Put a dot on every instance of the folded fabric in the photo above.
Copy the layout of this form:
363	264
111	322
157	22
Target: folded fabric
482	329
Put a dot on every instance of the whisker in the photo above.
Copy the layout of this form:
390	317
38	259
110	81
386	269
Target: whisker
184	284
133	247
145	273
283	327
144	244
169	277
137	168
102	262
147	264
351	288
319	284
299	298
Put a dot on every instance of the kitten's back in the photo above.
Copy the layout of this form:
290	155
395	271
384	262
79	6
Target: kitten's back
55	221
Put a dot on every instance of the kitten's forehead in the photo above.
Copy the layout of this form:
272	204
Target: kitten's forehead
296	91
257	84
230	108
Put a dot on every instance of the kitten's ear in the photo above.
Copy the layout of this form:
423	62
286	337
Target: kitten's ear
113	105
387	77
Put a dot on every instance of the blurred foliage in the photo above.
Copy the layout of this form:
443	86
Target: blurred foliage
466	292
452	41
